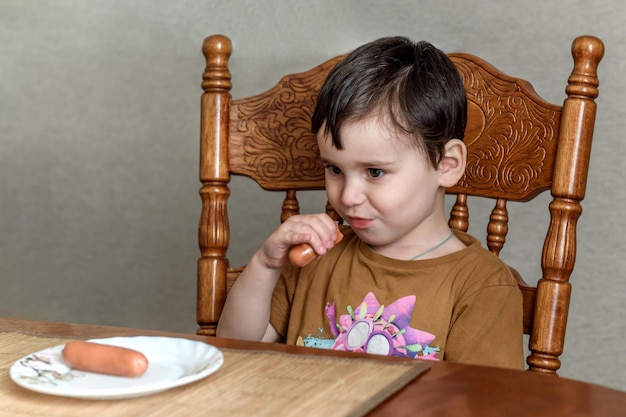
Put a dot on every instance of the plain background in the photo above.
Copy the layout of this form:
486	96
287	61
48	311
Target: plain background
99	127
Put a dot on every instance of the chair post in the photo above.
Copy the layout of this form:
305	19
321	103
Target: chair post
213	230
568	189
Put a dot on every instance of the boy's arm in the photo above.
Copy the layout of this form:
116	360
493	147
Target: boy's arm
247	309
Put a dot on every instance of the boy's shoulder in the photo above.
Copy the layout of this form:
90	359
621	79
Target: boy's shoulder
490	266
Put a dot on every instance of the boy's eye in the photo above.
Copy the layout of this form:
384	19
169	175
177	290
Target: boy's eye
375	172
333	169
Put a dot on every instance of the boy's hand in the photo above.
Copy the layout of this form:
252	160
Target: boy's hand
317	230
303	254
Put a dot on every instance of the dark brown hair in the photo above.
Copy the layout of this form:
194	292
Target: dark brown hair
414	86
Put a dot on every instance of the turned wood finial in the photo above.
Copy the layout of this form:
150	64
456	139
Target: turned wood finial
587	52
216	50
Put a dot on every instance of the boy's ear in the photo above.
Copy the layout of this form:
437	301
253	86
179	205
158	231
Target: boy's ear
452	164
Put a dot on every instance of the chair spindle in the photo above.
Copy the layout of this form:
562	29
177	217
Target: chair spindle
459	215
498	226
291	206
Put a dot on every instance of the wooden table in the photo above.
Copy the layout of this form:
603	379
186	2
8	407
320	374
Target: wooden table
445	389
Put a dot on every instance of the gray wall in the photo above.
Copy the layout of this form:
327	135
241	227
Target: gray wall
99	122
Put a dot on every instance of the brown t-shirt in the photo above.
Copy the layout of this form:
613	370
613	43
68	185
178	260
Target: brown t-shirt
462	307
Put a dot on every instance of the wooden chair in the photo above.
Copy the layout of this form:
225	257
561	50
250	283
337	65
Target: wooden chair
518	147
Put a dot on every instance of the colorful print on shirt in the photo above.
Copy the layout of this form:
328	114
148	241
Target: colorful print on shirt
376	329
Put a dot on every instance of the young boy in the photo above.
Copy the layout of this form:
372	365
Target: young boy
389	121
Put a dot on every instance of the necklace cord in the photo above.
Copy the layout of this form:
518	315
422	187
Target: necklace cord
438	245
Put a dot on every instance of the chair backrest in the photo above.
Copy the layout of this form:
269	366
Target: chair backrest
518	147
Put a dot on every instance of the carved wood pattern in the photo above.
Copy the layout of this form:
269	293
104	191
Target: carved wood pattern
511	134
271	139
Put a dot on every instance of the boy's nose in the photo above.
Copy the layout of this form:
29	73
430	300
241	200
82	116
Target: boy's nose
352	193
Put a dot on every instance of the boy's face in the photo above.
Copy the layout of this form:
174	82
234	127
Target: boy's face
386	189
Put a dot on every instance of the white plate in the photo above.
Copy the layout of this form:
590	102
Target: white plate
172	362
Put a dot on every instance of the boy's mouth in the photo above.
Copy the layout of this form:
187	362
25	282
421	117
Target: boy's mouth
358	222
